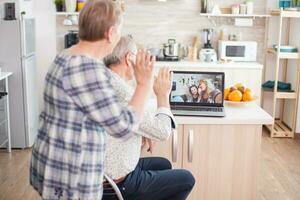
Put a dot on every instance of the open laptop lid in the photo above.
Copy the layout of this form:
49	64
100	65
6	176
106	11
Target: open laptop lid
197	89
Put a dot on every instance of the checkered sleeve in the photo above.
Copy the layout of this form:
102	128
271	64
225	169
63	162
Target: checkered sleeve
88	84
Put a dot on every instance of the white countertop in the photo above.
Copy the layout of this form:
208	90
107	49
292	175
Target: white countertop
198	64
248	114
4	75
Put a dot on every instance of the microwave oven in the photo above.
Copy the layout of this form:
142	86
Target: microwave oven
240	51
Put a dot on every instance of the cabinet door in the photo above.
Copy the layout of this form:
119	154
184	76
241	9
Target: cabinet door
170	149
223	159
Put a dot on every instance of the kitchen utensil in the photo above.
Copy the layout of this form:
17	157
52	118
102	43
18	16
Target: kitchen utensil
171	49
196	43
203	6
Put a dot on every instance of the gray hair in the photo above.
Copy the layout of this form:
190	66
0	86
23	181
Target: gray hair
124	46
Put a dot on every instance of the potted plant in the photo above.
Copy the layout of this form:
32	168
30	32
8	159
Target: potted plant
59	5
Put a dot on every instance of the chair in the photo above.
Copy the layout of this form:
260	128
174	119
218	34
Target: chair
114	187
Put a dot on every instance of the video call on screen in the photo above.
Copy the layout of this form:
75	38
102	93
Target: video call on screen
197	88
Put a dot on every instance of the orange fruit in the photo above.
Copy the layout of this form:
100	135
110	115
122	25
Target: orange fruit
233	88
247	96
235	95
248	90
226	93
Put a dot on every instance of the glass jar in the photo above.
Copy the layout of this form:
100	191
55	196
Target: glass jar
235	9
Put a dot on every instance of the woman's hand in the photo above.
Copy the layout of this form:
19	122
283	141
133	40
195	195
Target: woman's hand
162	87
149	142
143	68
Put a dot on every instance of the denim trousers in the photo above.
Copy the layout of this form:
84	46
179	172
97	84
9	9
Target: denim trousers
154	179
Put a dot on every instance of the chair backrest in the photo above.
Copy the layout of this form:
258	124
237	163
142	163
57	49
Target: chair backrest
114	186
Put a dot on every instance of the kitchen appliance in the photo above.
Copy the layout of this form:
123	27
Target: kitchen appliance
241	51
71	38
185	101
171	50
208	54
10	11
17	53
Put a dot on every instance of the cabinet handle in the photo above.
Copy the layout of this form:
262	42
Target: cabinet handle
174	145
191	146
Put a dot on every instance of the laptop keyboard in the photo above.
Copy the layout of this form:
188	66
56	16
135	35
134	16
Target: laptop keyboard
201	109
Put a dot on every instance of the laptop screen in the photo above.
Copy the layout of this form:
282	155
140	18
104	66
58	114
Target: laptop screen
197	88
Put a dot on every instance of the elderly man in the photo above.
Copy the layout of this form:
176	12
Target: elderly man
143	178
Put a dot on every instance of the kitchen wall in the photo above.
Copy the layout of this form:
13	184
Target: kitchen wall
44	11
152	23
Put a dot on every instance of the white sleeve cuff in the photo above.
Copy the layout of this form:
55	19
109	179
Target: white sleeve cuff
167	111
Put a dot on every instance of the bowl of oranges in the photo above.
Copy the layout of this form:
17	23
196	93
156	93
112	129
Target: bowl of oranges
239	95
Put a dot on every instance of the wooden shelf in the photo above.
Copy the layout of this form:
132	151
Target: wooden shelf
284	95
235	16
283	55
281	130
285	13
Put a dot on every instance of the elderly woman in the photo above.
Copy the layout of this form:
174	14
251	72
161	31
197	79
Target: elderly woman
145	178
81	107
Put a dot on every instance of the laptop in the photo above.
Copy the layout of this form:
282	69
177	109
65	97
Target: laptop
197	94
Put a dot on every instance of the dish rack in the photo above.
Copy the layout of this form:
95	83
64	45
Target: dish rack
280	128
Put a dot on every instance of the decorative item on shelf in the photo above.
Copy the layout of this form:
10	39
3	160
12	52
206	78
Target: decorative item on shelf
235	9
216	10
80	5
226	10
71	5
203	6
285	4
243	9
59	4
250	7
281	86
286	49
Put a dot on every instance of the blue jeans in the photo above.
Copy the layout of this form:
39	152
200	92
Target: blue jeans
154	179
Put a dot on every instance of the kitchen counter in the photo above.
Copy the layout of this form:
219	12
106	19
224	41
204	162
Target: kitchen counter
198	64
223	154
248	114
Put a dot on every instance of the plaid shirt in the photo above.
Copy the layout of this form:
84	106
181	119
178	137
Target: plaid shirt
80	107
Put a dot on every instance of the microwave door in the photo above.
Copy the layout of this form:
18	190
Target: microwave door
236	53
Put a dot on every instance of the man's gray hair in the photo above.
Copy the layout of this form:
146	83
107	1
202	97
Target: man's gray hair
124	46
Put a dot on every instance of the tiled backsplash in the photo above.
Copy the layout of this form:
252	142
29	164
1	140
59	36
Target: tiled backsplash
152	23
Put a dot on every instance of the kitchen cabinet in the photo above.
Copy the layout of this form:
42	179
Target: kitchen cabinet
223	159
222	153
170	149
